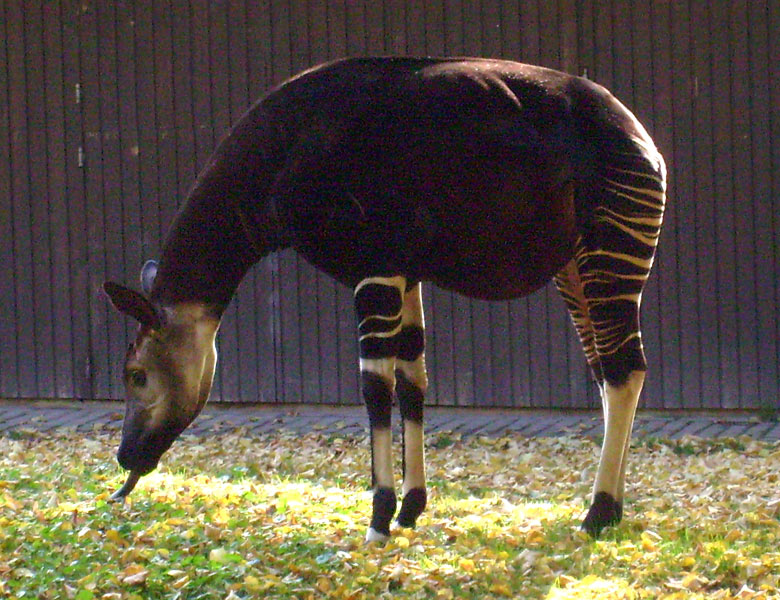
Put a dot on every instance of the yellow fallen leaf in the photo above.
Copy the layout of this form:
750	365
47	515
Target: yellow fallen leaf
502	589
466	564
218	555
687	562
324	585
136	578
252	583
114	536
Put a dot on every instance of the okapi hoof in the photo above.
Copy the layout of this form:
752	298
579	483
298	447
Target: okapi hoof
604	512
372	535
412	506
383	511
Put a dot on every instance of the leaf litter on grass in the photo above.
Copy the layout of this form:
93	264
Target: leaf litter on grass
284	517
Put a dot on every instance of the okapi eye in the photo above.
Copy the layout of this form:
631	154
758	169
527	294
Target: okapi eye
137	378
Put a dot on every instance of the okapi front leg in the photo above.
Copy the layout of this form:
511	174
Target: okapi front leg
412	383
379	304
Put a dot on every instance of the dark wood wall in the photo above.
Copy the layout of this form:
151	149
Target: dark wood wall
108	110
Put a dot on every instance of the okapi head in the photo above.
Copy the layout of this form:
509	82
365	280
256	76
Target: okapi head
168	372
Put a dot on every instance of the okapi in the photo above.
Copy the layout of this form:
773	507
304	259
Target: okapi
485	177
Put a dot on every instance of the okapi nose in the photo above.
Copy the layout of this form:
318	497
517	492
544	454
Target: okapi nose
129	457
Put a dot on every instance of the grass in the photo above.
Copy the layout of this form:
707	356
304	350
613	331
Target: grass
284	517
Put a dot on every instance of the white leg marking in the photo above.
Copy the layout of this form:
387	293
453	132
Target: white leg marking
384	367
397	281
382	440
372	535
414	456
619	409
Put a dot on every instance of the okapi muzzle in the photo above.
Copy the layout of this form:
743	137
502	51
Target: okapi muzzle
168	372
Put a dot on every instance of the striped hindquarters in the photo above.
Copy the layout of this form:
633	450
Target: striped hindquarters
602	286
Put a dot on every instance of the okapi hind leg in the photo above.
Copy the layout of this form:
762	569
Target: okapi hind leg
379	305
614	263
411	385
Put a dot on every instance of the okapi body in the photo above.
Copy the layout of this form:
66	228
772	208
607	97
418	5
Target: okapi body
485	177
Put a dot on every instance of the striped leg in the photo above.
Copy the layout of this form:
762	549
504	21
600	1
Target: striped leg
379	305
608	274
412	383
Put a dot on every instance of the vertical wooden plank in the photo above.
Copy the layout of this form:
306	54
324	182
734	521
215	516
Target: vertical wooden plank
491	18
349	382
146	119
623	40
463	336
95	207
707	289
724	214
165	118
743	201
355	28
586	39
395	29
110	145
500	350
438	321
39	225
415	29
453	28
511	47
682	201
569	49
9	378
183	101
77	198
434	28
539	346
471	39
326	343
376	35
317	27
549	35
520	351
664	354
766	268
337	30
602	44
21	250
774	57
529	32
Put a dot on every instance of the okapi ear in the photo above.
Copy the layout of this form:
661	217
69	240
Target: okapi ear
133	304
148	273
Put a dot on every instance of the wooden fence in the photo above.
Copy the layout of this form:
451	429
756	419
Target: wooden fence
108	110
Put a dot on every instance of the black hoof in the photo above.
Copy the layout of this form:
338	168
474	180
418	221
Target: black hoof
604	511
412	506
384	509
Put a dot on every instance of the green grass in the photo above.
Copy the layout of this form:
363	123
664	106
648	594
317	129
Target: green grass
284	517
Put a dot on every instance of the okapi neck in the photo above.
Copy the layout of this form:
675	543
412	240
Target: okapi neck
215	239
